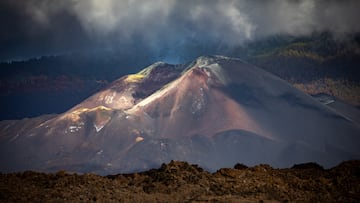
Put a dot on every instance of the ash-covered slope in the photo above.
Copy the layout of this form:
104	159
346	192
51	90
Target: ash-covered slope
214	112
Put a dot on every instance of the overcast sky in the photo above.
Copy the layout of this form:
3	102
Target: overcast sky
44	27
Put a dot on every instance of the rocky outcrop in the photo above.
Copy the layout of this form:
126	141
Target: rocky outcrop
183	182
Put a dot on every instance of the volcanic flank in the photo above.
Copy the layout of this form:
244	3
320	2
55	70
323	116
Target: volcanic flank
215	111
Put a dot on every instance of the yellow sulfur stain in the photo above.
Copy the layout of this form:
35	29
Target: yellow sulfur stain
134	77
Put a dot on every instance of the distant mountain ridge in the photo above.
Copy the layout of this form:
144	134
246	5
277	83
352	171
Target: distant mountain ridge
214	111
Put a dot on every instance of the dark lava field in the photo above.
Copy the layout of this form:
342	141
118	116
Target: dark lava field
183	182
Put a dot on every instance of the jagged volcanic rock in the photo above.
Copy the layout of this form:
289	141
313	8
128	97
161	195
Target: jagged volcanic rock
182	182
214	112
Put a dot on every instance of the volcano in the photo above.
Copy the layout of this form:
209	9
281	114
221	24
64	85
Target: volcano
215	111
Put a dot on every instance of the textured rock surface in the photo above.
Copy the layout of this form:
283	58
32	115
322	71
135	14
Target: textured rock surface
182	182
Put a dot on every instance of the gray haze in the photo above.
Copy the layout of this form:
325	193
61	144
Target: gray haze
41	26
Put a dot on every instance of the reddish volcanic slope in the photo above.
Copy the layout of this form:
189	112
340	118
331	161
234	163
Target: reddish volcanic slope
194	104
215	112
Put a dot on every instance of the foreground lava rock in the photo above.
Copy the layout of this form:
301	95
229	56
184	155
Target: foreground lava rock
182	182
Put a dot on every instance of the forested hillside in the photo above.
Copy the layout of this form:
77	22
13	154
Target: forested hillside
317	64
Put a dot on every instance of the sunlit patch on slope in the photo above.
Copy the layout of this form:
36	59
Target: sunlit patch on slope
110	98
101	117
139	139
98	128
75	128
75	120
75	115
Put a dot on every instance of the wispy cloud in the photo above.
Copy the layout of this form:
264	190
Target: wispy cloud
171	22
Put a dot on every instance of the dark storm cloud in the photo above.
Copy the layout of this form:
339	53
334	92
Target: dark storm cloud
36	26
33	28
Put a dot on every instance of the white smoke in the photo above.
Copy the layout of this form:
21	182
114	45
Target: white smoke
304	17
233	20
230	20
